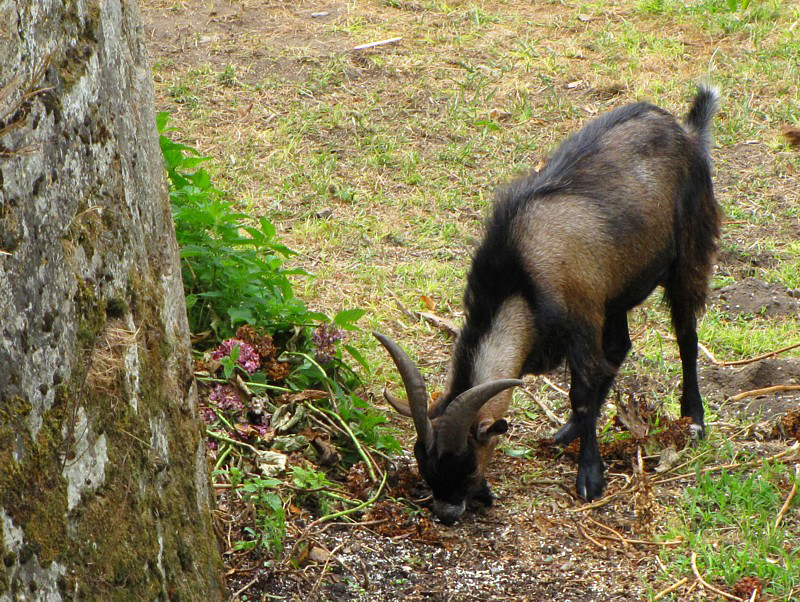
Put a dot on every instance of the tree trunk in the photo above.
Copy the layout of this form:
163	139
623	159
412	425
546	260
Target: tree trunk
103	482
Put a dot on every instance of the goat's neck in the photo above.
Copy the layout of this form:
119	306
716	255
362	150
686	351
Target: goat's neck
502	351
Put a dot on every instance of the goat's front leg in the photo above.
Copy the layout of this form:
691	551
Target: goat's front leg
585	410
616	344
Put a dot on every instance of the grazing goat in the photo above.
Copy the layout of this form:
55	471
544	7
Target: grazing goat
623	206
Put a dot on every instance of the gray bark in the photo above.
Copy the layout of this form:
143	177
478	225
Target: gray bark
103	483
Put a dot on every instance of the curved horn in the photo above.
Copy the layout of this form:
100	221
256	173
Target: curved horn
415	389
401	405
460	414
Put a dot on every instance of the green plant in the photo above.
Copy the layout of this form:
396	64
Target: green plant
232	265
271	517
238	290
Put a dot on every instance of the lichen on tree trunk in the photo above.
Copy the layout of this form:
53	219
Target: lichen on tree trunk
103	482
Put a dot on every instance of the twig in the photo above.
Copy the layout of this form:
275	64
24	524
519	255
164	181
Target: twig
765	391
361	506
671	588
707	353
707	585
785	508
590	538
548	412
643	542
246	587
760	357
367	459
378	43
601	502
439	322
219	437
555	386
785	452
609	529
406	312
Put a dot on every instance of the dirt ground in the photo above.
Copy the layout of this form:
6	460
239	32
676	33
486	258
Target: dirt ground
538	542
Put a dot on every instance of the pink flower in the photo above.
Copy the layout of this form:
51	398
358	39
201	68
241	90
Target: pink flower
208	415
226	398
324	340
248	357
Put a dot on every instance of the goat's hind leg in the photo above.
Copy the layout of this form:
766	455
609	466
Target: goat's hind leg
691	400
686	299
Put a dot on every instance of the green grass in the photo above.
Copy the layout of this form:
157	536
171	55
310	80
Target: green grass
728	520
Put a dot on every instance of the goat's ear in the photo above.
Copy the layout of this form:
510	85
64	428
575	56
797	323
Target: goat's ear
488	428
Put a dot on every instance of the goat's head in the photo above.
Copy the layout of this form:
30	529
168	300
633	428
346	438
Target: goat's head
452	449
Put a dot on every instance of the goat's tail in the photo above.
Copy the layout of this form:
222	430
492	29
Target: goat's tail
705	105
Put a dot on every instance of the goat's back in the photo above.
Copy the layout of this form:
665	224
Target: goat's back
599	221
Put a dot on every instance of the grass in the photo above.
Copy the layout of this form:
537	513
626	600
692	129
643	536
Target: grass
729	521
401	148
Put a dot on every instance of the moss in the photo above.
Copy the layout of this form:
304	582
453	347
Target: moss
73	62
32	491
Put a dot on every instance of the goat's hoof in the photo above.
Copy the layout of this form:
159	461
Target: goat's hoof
697	432
590	482
567	433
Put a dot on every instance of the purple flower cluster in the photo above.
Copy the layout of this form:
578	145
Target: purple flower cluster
208	415
226	398
248	357
324	339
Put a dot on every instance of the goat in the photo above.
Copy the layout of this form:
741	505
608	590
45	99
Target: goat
624	205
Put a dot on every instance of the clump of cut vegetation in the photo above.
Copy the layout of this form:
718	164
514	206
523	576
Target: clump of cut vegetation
377	167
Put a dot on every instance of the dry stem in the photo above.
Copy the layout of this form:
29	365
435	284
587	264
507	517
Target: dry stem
765	391
785	508
707	585
671	588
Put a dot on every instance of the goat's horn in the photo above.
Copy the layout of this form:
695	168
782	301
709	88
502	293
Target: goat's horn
401	405
415	389
457	420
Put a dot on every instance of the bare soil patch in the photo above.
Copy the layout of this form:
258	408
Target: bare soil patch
753	297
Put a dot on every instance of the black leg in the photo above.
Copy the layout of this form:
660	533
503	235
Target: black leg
585	410
691	401
592	373
616	344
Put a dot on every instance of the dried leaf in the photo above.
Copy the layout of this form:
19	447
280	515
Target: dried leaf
328	455
429	303
319	555
271	464
633	416
286	417
289	443
669	458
